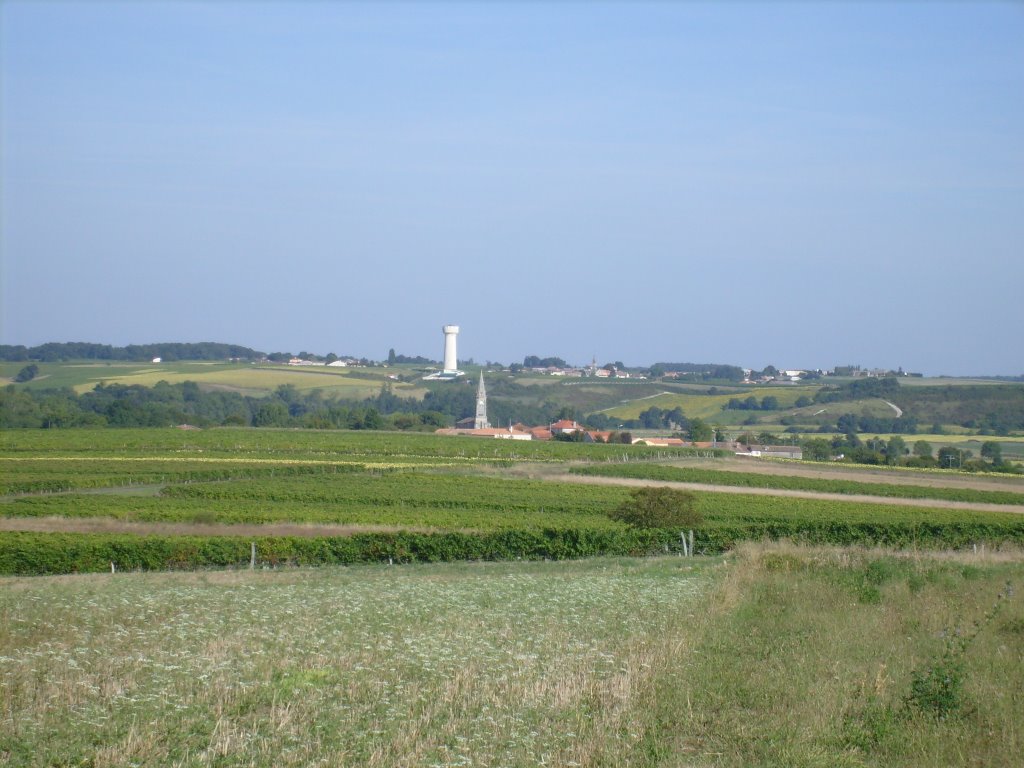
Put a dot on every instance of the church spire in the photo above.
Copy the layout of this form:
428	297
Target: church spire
481	406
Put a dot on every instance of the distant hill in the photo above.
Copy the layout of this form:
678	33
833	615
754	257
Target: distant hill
708	371
54	352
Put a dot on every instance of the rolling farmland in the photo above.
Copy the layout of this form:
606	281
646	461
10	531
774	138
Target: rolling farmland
245	378
415	497
431	653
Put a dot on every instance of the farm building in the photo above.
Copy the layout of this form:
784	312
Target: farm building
771	451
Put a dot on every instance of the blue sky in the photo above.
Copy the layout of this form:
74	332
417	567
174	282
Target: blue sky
802	185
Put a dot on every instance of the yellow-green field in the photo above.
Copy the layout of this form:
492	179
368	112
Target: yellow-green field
708	406
245	378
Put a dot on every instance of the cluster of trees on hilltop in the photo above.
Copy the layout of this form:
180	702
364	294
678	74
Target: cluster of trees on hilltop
887	387
56	352
699	371
767	403
532	361
395	359
164	404
895	451
170	404
994	409
674	420
988	408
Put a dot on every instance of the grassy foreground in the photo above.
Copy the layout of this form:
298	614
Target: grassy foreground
775	656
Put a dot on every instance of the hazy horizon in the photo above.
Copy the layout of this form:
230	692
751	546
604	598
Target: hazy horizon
796	184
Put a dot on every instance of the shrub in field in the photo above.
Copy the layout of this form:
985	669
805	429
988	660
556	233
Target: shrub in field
659	508
937	688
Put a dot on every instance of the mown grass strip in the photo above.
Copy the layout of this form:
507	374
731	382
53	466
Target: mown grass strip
792	482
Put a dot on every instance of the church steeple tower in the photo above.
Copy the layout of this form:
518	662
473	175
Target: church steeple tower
481	406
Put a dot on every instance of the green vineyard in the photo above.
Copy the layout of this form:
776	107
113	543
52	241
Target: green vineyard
402	498
791	482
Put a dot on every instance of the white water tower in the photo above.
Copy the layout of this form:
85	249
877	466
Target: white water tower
451	361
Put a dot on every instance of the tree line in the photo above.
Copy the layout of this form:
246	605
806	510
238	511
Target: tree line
164	404
54	352
895	451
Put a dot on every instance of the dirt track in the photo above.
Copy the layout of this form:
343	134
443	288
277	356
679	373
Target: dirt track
862	475
858	498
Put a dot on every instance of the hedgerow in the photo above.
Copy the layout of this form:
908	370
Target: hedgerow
51	553
48	553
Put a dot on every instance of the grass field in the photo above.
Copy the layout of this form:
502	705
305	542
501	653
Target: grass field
246	378
768	655
446	665
709	407
777	656
851	658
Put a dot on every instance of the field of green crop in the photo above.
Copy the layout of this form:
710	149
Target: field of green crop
449	495
247	378
424	651
793	482
709	406
312	445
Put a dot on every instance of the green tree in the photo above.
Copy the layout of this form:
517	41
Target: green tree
271	413
923	449
27	373
676	419
952	458
895	449
659	507
652	418
992	451
817	449
847	424
700	432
